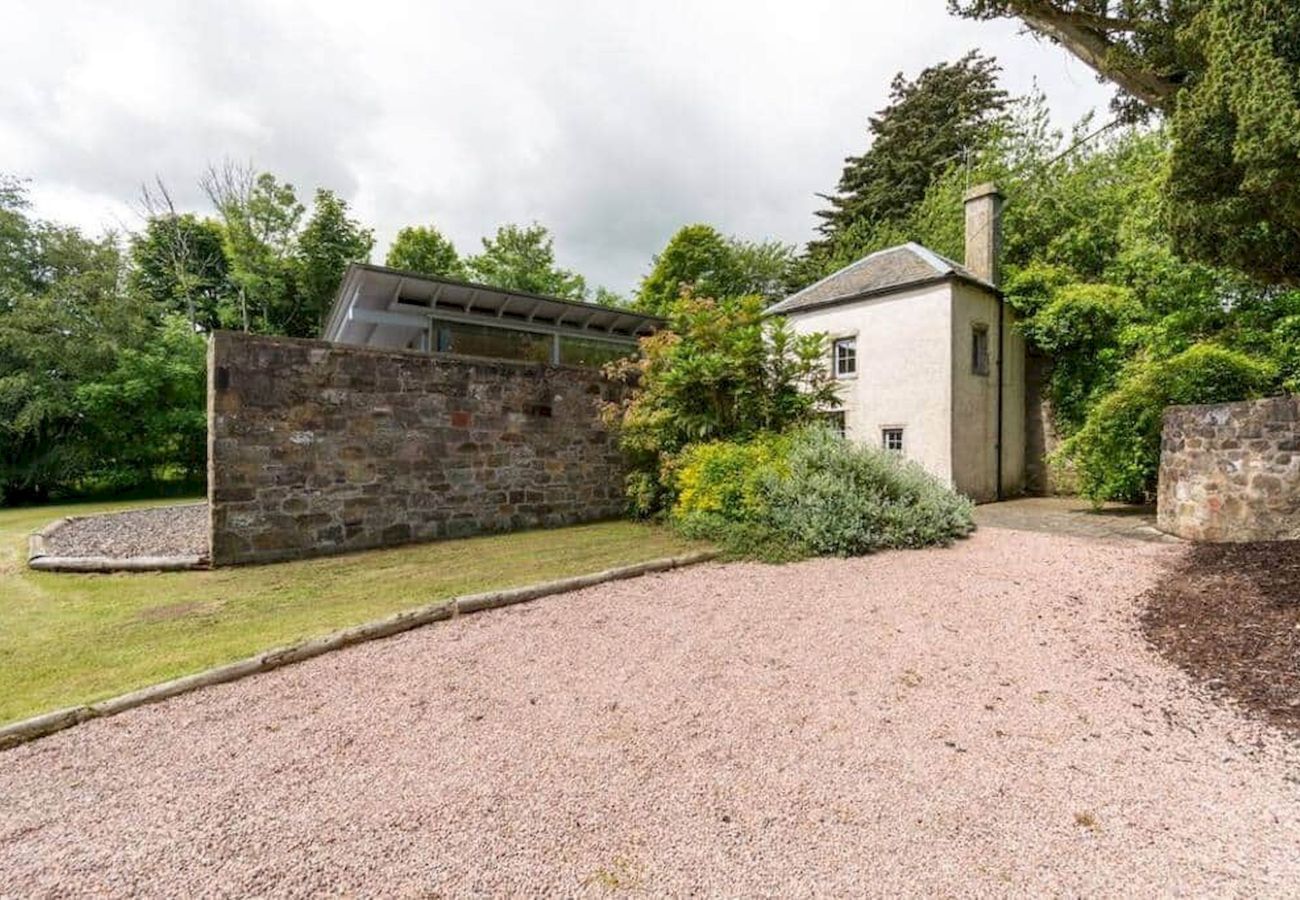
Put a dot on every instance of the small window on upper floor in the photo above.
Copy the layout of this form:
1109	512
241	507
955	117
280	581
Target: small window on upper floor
979	349
846	357
892	439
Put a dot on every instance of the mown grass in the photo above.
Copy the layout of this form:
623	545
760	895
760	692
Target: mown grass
67	639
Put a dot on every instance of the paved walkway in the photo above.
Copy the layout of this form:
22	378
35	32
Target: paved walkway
981	720
1074	516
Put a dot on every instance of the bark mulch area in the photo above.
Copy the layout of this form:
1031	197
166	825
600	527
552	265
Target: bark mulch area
1230	615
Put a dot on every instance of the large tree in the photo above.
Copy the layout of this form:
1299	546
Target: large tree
523	259
261	217
699	258
422	249
179	263
328	242
1226	74
1134	43
66	327
17	242
930	124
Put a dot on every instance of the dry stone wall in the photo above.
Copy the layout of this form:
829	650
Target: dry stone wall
1231	471
317	448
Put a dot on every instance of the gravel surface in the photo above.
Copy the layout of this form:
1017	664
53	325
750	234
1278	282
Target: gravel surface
985	719
158	531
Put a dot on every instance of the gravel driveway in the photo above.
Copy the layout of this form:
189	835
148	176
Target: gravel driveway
978	720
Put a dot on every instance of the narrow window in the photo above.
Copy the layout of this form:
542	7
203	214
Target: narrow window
979	350
836	421
892	439
846	357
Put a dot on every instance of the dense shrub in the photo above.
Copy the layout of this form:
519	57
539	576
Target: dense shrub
1117	451
812	493
721	371
727	478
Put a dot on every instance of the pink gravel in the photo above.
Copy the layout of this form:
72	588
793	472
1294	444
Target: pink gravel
978	720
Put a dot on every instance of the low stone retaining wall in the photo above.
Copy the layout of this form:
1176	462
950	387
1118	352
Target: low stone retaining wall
317	448
1231	471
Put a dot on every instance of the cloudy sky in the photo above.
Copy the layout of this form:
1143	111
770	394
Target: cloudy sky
613	123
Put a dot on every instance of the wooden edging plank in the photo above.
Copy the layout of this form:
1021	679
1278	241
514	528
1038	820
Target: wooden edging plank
48	723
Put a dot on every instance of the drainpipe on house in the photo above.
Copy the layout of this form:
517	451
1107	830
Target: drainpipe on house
983	258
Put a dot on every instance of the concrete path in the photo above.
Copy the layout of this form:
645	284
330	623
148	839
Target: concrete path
982	720
1074	516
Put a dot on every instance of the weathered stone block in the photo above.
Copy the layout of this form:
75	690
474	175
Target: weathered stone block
1227	472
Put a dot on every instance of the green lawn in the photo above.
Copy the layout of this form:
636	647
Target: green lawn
68	639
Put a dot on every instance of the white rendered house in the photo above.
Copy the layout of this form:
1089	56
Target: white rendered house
929	363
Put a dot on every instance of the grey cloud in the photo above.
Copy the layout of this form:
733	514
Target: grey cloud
613	124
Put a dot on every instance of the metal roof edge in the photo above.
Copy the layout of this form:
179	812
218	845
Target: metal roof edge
473	285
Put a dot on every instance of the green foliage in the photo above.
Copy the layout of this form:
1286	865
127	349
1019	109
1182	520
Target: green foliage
1234	174
423	249
101	386
146	416
325	246
17	242
812	493
523	259
720	371
1138	44
728	478
698	258
261	217
66	329
1117	451
1081	326
179	263
930	123
1226	74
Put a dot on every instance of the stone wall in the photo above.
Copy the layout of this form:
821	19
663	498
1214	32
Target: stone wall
1231	471
316	448
1041	440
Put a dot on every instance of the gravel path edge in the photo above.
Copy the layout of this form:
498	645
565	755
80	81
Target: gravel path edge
26	730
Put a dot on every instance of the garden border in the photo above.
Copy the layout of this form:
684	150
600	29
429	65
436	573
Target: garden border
25	730
39	559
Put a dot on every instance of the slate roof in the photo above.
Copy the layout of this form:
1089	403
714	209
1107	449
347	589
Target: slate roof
883	272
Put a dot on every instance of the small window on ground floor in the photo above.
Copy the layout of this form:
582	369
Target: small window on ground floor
836	421
892	439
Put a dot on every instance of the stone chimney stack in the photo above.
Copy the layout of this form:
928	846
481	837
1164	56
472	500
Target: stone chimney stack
984	232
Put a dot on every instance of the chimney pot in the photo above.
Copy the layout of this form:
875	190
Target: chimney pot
984	232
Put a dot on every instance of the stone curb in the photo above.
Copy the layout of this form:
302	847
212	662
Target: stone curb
21	732
38	557
36	541
115	564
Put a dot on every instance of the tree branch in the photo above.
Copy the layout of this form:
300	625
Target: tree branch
1088	38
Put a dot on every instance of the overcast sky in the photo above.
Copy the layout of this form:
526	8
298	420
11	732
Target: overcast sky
613	123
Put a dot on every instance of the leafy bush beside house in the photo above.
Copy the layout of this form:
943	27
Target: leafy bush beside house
812	493
719	424
720	371
1117	450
